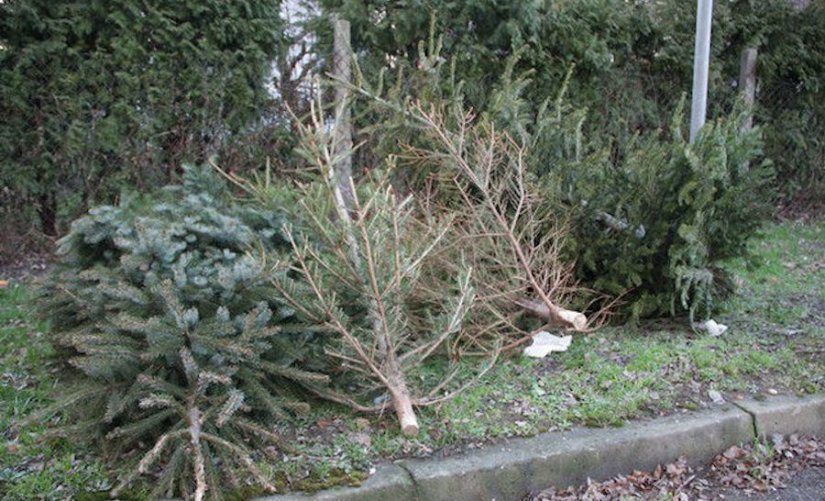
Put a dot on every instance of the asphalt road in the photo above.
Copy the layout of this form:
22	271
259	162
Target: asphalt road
807	485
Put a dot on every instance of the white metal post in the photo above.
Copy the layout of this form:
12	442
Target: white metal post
701	63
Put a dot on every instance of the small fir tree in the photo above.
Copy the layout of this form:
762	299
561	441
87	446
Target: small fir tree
162	309
656	228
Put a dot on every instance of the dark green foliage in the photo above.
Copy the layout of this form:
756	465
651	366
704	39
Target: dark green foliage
655	228
790	75
97	94
162	307
790	97
589	95
650	225
630	61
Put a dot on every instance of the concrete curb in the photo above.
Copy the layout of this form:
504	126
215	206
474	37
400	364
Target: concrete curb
389	482
514	469
786	415
510	470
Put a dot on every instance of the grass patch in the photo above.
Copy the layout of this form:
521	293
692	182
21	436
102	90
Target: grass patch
31	467
774	345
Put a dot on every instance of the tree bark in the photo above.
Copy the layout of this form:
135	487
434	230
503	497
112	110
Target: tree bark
401	401
47	211
747	84
343	119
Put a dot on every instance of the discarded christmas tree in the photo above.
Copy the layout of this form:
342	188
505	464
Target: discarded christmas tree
176	339
470	168
359	274
502	227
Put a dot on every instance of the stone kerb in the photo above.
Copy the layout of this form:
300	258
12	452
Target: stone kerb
512	469
786	415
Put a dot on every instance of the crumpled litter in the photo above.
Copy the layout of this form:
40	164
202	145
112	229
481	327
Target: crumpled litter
711	327
544	343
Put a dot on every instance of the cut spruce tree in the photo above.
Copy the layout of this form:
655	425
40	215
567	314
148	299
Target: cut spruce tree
176	344
359	271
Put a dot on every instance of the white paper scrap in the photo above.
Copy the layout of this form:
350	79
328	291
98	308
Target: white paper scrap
544	343
712	327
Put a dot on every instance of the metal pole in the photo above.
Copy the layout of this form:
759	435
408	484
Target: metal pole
701	63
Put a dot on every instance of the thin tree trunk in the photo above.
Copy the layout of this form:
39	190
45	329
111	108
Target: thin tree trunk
194	419
747	84
47	211
558	317
401	401
343	119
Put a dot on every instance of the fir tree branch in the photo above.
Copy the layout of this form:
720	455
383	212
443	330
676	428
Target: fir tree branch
148	459
193	421
243	456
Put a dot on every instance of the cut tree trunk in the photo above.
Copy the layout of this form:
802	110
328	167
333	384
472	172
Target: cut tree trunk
559	317
401	401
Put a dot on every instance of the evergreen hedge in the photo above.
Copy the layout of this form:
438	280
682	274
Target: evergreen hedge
99	95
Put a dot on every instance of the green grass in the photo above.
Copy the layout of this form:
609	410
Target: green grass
777	331
32	467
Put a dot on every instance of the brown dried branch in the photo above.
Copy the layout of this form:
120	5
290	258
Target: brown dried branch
375	252
500	228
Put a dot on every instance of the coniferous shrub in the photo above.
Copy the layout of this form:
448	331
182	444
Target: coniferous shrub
649	227
145	86
654	228
177	345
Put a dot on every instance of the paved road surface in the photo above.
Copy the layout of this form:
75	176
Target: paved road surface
807	485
